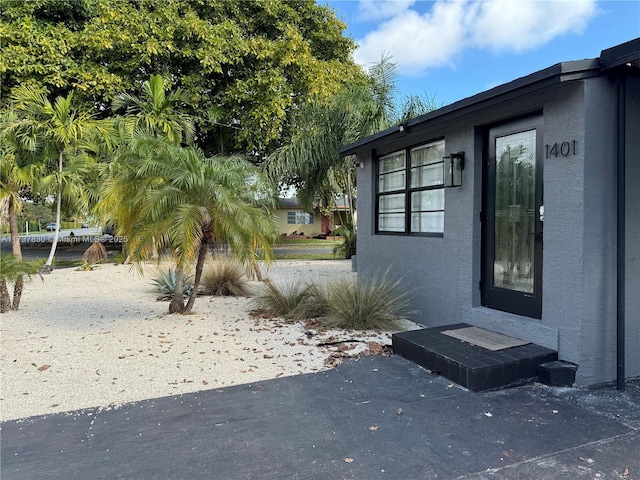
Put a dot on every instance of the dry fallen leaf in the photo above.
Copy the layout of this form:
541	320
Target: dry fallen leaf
348	460
43	368
399	411
374	427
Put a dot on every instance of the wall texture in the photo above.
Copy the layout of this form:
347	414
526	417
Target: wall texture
443	273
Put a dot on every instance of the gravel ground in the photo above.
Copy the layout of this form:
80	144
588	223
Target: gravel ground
101	339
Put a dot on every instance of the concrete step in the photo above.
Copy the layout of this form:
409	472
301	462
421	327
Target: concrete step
474	367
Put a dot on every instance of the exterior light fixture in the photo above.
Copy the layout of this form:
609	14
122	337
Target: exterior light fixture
358	164
452	169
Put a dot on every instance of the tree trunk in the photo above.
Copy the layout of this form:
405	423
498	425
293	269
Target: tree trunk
13	229
46	268
5	301
202	255
17	253
177	302
17	292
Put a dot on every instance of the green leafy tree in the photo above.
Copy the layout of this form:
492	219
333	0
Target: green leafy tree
245	66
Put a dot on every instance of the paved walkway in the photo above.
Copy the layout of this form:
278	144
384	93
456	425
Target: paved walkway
374	418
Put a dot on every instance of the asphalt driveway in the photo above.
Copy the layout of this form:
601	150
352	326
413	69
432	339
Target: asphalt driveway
372	418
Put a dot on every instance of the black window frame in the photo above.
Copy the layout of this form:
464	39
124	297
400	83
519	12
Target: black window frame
408	190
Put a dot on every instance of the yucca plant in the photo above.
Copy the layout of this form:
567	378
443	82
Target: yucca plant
224	278
166	283
375	304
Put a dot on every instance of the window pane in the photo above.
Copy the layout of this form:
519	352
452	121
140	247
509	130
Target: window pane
515	211
391	203
427	154
299	218
427	200
391	222
392	162
427	222
391	181
427	176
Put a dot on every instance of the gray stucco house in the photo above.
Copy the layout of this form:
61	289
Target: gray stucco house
541	241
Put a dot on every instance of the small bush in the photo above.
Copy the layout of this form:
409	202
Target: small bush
289	299
365	305
224	278
347	248
166	283
343	303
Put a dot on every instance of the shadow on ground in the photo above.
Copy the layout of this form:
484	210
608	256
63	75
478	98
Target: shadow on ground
371	418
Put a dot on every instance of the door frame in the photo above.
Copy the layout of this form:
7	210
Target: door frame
512	301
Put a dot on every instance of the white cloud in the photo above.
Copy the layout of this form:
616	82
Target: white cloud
381	9
417	41
420	41
521	25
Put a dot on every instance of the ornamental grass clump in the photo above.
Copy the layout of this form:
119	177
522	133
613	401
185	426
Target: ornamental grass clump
288	299
376	304
224	278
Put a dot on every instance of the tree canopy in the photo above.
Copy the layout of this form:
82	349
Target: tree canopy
245	67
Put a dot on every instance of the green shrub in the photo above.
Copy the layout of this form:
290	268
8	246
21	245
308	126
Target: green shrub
346	248
119	258
166	283
224	278
366	304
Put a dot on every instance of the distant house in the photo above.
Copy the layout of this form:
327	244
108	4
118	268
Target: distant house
541	240
293	218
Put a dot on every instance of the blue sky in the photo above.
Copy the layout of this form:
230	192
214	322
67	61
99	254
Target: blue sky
451	49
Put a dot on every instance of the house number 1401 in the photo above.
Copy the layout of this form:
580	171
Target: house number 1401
563	149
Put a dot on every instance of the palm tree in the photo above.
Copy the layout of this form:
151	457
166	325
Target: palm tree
18	174
173	197
11	270
66	135
156	112
311	163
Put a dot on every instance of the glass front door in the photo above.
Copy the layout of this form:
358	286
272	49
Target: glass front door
513	219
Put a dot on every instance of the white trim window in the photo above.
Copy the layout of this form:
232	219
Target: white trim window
410	191
299	218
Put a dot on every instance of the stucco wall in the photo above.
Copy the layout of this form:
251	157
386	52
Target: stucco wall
578	314
632	303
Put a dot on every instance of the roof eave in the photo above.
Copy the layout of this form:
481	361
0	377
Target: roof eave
561	72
